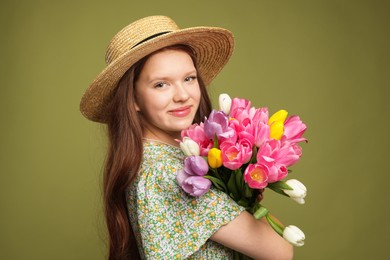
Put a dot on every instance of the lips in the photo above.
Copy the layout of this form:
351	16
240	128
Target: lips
181	111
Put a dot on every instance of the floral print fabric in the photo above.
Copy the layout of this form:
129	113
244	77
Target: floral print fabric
168	223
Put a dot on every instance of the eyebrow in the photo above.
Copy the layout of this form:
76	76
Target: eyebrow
162	77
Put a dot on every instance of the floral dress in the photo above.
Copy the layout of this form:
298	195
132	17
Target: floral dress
168	223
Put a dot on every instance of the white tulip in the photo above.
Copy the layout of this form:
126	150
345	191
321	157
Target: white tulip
298	192
225	102
189	147
294	235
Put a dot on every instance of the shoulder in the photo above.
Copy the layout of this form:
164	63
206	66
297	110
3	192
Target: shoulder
159	165
155	151
159	156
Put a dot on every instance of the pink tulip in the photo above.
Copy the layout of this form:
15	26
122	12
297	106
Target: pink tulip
196	165
261	115
231	158
196	133
245	116
276	172
277	156
239	105
246	146
256	175
243	129
234	155
288	154
250	121
294	128
261	133
245	136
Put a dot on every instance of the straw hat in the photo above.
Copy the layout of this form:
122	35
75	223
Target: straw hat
213	47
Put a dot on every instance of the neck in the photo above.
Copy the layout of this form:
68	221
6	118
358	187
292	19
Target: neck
169	138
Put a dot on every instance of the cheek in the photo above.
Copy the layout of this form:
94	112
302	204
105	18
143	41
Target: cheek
153	104
197	94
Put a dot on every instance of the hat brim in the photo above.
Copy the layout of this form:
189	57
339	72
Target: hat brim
213	48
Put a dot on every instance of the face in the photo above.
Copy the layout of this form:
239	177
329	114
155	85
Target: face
167	94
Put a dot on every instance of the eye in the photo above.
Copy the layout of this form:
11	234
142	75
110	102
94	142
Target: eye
160	84
190	78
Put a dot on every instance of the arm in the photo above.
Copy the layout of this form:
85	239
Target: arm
254	238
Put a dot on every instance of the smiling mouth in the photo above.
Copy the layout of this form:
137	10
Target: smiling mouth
181	112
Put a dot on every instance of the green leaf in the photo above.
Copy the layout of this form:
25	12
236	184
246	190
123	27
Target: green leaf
217	183
279	185
232	186
243	202
248	192
215	141
239	180
279	191
254	155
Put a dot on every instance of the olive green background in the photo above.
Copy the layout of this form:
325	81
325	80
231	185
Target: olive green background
327	61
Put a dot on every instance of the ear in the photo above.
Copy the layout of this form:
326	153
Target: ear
137	108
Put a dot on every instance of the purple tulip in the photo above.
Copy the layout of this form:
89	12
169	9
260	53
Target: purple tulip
181	176
195	165
217	124
196	185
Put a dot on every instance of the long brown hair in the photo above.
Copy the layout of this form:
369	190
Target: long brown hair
124	156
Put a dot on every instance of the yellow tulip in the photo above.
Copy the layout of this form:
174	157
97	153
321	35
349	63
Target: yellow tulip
280	116
276	123
214	158
276	130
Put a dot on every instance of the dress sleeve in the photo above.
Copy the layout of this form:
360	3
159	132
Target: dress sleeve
173	224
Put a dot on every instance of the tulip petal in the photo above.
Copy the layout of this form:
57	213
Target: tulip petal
214	158
294	235
279	116
181	176
276	130
298	191
225	102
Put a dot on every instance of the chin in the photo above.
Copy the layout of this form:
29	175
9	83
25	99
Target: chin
179	126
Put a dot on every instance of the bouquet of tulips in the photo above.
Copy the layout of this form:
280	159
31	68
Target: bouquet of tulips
241	151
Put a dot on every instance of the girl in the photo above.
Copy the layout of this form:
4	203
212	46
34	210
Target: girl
153	87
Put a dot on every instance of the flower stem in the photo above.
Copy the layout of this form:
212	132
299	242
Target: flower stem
261	212
274	224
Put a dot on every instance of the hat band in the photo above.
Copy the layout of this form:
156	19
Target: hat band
151	37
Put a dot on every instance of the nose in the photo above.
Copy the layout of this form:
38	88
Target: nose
181	93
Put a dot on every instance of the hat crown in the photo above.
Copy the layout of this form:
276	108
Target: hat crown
137	32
